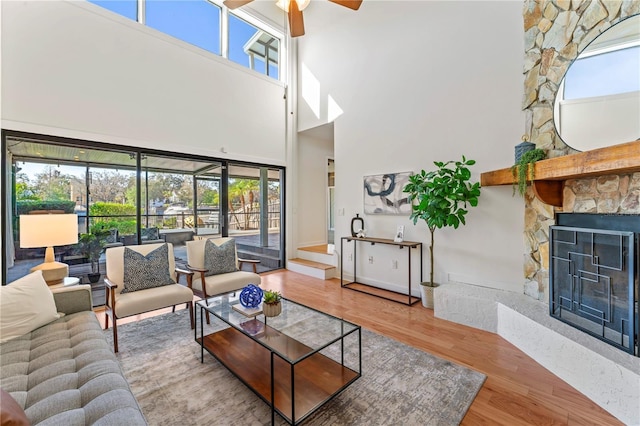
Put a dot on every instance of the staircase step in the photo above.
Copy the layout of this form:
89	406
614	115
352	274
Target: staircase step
312	264
322	248
311	268
317	254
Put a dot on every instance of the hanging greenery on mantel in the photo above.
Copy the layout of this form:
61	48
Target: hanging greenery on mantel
523	171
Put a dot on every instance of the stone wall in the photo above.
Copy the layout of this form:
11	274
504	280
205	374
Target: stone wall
605	194
555	32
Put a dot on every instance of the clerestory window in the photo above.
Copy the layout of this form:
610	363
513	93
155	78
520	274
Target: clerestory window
196	21
199	22
126	8
252	47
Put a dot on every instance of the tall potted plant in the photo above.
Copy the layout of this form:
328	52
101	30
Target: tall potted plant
91	246
440	198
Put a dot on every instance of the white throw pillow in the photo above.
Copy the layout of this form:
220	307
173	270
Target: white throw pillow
25	305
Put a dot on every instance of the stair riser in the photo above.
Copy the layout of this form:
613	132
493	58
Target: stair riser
323	274
328	259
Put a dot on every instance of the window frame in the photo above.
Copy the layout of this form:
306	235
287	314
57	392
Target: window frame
139	153
261	23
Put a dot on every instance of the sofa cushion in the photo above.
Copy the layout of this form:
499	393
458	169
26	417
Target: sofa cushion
225	283
65	373
220	259
146	271
151	299
11	413
25	305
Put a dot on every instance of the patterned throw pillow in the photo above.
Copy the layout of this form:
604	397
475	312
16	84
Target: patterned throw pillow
142	272
220	259
149	234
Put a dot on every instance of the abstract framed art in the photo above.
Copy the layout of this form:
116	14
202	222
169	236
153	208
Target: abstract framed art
383	194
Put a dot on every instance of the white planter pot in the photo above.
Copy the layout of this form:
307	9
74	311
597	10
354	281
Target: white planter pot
427	295
271	309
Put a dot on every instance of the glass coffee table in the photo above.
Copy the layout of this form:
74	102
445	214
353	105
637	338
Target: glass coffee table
295	362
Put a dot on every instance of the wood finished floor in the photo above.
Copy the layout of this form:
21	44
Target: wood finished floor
518	391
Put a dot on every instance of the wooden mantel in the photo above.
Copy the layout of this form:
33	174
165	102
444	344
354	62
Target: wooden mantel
550	174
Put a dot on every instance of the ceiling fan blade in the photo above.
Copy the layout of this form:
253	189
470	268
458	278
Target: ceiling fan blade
234	4
351	4
296	22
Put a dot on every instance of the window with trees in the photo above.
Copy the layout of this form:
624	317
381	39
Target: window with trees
119	193
112	203
254	195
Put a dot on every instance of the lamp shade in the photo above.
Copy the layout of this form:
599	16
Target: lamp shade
48	230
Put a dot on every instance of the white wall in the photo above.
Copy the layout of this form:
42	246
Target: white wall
74	69
420	82
311	203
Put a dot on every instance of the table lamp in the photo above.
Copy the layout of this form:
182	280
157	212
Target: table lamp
49	230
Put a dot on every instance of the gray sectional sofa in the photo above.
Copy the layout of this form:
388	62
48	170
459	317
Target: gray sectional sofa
65	373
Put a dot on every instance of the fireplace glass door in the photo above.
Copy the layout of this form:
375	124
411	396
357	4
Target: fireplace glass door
592	276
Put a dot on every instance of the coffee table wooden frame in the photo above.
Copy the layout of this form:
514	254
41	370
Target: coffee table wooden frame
292	378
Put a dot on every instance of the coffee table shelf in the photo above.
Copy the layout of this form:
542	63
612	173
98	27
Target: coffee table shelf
293	378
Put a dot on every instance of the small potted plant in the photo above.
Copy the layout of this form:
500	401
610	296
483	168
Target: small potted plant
272	305
440	198
523	170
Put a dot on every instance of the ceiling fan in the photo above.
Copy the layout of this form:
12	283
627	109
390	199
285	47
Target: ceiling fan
294	10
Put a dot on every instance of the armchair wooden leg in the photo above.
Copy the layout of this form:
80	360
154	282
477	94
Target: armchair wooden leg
207	312
106	319
193	324
173	308
115	334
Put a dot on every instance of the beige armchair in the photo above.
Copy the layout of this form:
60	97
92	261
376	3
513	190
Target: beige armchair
131	290
205	285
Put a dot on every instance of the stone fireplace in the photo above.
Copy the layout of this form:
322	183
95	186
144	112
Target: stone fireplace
596	182
556	31
593	183
593	275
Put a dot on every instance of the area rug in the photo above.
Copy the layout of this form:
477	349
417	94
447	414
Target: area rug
399	384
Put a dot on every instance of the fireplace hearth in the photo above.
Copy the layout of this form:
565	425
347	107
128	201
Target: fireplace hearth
594	275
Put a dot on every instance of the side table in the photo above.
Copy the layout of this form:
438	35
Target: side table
67	282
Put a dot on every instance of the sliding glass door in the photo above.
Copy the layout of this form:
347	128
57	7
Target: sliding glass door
126	196
208	212
255	213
